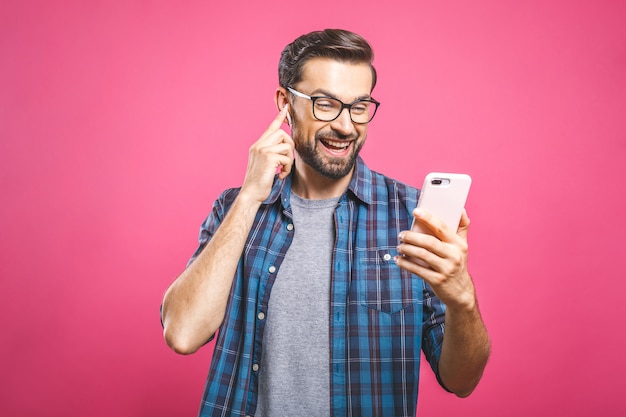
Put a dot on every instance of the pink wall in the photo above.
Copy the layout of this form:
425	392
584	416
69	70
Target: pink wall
119	125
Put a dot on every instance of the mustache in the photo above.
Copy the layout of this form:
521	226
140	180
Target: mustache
331	134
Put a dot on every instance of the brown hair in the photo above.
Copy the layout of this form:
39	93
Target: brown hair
338	44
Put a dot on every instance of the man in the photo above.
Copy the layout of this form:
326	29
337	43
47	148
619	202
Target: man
308	274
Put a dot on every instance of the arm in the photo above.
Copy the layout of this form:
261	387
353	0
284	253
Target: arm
194	305
466	343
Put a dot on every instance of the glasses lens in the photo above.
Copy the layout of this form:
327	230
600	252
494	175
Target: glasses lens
362	111
326	109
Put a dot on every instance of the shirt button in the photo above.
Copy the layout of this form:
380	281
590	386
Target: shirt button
261	315
290	227
387	257
272	269
255	367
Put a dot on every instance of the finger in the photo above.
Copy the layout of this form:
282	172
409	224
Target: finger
463	225
284	147
283	166
409	264
288	140
424	247
432	223
278	155
279	120
287	162
285	169
447	262
270	138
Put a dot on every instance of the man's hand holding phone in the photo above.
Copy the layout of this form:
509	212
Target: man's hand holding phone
272	153
440	258
436	249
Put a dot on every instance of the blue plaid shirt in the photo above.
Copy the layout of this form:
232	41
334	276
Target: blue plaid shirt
381	316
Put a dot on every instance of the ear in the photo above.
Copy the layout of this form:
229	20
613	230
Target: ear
280	98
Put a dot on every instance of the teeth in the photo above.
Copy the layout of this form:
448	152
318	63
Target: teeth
337	144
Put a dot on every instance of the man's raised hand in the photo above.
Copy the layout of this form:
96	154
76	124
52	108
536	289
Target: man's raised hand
273	153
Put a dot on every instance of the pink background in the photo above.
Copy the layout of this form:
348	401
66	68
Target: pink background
120	122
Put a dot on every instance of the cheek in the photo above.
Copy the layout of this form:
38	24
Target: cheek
300	136
304	131
362	131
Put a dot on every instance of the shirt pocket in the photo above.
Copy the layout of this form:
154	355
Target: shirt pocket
383	286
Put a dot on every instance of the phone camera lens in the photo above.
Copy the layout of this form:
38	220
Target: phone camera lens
436	181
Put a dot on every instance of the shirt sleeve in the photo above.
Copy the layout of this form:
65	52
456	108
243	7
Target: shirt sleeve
207	230
209	226
433	330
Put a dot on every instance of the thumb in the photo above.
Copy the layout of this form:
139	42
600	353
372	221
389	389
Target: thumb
463	225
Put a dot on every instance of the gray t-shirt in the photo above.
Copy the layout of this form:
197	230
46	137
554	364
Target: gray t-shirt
294	376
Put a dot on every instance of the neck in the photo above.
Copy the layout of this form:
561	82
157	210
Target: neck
310	184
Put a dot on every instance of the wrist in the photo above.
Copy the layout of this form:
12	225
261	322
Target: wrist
466	302
249	199
465	305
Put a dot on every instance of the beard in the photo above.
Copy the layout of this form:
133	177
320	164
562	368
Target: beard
328	166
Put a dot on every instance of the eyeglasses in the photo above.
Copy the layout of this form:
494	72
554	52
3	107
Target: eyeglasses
327	109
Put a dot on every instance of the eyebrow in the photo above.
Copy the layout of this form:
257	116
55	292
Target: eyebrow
331	95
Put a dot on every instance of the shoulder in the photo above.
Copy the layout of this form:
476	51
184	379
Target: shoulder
372	187
392	190
226	198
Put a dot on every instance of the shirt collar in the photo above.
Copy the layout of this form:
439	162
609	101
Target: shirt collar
361	183
281	189
360	186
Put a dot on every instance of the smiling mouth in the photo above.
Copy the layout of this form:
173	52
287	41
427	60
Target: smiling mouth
336	146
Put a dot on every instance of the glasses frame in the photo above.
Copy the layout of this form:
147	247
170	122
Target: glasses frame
343	105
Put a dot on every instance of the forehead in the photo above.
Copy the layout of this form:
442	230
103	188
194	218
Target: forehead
344	80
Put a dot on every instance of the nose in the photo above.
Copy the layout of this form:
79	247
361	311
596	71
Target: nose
343	124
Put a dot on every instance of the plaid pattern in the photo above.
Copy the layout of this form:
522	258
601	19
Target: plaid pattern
381	316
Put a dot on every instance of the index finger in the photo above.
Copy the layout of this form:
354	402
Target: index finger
438	228
279	120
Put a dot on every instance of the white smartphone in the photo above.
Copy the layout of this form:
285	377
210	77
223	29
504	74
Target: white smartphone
444	195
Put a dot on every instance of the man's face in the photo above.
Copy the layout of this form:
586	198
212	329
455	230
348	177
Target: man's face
330	148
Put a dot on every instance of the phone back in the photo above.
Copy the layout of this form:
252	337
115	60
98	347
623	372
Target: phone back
444	195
